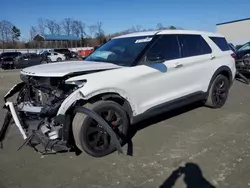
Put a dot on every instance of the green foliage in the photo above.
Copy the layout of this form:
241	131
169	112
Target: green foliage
172	27
15	33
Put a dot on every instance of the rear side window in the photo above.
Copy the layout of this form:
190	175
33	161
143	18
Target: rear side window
193	45
166	46
221	43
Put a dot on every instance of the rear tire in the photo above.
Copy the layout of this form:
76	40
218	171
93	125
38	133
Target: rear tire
44	62
93	139
218	92
59	59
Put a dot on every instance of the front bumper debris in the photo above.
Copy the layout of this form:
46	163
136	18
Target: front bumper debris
12	113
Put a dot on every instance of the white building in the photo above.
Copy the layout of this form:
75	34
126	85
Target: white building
236	32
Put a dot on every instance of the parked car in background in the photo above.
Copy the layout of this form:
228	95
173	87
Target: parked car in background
7	63
29	59
56	57
73	54
9	54
238	47
85	53
66	52
243	51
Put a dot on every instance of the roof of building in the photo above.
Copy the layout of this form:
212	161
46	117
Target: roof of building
168	31
233	21
57	37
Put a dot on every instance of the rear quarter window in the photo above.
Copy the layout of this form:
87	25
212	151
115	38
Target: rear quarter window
221	43
193	45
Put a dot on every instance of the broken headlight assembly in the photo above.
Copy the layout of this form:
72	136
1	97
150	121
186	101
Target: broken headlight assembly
78	83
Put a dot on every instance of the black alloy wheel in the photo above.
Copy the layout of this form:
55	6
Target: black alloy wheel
91	137
96	137
218	92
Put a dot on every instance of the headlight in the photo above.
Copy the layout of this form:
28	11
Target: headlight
78	83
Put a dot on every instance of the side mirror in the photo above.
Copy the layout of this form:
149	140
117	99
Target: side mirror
155	57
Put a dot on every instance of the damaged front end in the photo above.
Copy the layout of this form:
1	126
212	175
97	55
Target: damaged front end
35	113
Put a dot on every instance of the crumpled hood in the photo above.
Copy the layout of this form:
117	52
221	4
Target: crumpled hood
63	68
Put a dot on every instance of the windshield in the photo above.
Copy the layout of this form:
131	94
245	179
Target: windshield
120	51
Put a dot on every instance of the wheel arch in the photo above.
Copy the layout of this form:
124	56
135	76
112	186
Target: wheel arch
123	100
224	70
78	98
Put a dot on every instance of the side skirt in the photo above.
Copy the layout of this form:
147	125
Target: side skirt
170	105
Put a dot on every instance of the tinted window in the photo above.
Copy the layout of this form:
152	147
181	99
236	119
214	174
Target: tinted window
55	53
193	45
8	59
10	54
33	55
166	46
221	43
245	47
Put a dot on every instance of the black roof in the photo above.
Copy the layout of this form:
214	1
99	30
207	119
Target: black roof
233	21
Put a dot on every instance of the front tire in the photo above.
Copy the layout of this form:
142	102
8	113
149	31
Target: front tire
59	59
218	92
90	137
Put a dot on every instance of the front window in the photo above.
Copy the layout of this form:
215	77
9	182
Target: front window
120	51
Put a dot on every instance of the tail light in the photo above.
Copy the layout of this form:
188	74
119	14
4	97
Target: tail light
233	55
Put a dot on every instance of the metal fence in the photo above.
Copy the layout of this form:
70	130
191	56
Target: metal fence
37	50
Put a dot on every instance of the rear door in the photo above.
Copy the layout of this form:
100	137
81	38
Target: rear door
197	59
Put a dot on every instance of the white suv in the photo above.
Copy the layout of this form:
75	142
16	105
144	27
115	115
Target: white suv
129	78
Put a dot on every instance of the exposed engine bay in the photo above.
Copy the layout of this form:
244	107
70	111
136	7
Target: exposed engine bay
35	109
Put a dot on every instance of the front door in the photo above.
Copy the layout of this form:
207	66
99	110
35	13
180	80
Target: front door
162	76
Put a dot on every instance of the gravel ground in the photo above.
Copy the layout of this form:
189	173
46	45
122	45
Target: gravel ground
214	145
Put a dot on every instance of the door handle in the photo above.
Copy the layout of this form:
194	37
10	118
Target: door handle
178	65
212	57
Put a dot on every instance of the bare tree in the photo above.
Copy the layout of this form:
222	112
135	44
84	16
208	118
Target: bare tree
33	32
51	25
159	26
92	29
138	28
82	28
100	35
5	31
41	26
78	28
57	28
67	25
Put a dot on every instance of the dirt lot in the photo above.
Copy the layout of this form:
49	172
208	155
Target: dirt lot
216	141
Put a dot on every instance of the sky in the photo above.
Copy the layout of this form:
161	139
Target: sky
117	15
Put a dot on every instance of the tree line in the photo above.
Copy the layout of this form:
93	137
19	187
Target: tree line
10	34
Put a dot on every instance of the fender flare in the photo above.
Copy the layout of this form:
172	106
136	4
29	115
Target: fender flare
113	92
78	95
220	70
